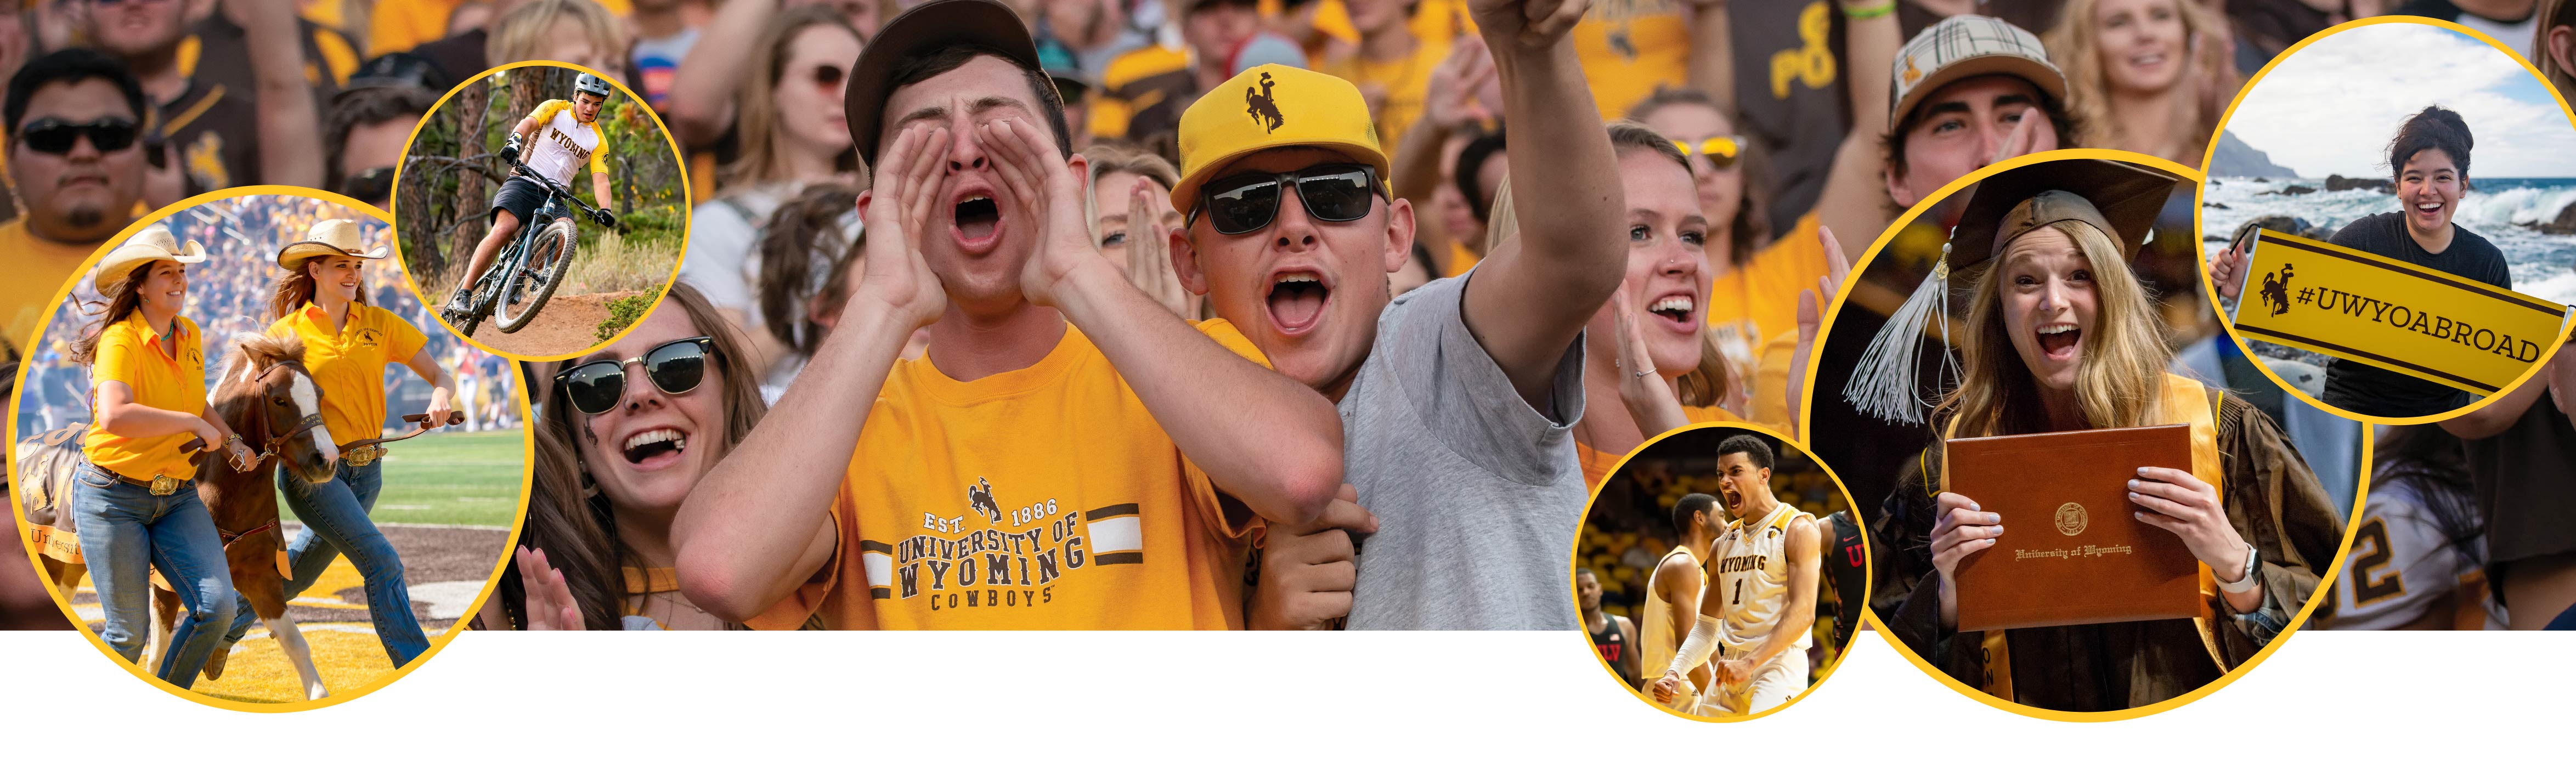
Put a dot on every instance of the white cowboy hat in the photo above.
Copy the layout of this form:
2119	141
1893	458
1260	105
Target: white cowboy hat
151	243
326	238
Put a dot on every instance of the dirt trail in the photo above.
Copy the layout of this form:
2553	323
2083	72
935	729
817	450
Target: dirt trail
567	324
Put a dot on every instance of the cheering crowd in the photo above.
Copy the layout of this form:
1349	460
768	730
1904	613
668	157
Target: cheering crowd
1756	148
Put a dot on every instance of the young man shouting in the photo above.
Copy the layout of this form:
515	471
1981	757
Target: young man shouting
1456	401
1068	455
1761	596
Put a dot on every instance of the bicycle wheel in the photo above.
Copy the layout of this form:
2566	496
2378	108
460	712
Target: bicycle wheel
549	255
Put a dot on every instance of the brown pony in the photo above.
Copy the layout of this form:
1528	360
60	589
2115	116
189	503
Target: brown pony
269	398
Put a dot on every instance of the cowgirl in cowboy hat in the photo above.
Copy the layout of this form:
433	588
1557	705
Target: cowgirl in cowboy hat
135	501
321	299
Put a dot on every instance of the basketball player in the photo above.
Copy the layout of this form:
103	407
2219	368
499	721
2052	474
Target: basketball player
1613	637
1672	591
1761	599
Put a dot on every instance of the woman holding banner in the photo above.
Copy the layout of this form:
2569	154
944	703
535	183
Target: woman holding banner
2430	161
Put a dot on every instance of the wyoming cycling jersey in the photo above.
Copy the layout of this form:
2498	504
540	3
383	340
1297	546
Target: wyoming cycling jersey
562	142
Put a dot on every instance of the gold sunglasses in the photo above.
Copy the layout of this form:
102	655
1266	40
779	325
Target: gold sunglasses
1721	151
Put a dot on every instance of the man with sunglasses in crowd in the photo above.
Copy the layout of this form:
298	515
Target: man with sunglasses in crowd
1069	455
75	125
1457	400
553	141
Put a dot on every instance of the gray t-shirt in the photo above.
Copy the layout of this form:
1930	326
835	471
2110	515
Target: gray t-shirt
1477	495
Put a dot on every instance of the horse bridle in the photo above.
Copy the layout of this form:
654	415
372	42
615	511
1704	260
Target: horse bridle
311	420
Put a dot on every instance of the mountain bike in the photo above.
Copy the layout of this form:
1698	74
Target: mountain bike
534	263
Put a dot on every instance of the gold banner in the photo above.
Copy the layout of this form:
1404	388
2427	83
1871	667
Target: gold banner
2392	314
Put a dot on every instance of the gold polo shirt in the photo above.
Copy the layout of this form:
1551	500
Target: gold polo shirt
348	363
130	353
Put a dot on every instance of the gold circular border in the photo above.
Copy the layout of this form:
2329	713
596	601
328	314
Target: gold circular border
1868	579
527	461
2200	200
2325	580
688	201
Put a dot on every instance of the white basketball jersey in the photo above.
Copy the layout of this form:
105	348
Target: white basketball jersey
1656	646
2403	564
562	143
1752	572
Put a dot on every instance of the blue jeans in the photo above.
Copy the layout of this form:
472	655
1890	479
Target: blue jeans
335	522
125	531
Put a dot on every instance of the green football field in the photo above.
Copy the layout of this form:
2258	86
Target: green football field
462	479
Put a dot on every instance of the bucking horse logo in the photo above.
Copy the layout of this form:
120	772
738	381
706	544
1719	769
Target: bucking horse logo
1258	104
980	497
2276	292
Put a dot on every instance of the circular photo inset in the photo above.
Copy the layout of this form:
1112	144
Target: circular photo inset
2396	237
249	467
1720	573
2086	505
542	210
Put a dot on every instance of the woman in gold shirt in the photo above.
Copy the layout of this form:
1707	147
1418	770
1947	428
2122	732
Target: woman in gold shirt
320	298
135	501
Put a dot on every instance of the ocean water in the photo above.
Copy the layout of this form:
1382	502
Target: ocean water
2542	265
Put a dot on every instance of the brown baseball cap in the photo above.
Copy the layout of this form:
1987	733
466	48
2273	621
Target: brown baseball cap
1966	46
2120	199
928	27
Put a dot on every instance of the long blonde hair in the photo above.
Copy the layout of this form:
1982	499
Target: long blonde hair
1706	384
1109	159
521	33
2076	45
2119	377
2552	15
756	106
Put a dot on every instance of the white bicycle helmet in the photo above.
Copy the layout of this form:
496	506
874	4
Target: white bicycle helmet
593	85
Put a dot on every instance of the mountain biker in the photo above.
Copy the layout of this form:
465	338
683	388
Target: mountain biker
569	133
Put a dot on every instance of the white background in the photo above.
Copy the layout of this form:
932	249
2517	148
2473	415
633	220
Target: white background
1325	706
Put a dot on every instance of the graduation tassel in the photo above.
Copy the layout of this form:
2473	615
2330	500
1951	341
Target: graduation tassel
1883	384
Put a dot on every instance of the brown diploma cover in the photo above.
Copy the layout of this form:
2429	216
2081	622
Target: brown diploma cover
2072	551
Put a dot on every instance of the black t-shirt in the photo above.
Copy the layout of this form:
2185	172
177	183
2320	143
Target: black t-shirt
224	58
458	57
214	136
2370	390
2523	490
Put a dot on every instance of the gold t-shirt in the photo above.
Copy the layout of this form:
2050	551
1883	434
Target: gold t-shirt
1630	47
1404	82
1597	464
36	269
1041	498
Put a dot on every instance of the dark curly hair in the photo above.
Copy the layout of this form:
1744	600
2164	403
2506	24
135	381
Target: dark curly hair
2433	128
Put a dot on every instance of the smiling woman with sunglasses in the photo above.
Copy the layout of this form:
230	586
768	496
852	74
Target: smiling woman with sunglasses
789	133
642	419
319	296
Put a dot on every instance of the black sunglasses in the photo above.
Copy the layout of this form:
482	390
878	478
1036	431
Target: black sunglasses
676	367
55	137
372	185
1334	192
